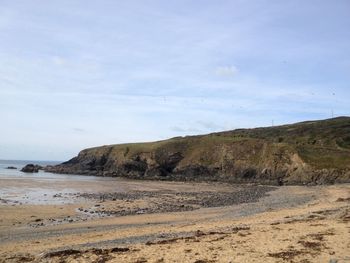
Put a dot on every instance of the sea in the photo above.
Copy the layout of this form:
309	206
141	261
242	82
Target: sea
17	187
19	164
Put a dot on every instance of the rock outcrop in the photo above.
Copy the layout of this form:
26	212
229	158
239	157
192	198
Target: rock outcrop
314	152
31	168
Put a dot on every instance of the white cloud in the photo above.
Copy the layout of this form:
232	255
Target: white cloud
226	71
210	125
59	61
184	130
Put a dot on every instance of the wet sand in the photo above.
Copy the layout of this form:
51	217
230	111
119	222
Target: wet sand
149	221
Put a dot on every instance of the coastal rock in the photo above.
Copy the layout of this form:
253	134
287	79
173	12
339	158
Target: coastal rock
31	168
11	168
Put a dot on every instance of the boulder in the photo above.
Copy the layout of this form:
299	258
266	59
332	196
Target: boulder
11	167
31	168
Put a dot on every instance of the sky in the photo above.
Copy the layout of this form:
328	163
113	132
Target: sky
83	73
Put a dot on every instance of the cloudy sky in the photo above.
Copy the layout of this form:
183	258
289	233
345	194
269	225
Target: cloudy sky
76	74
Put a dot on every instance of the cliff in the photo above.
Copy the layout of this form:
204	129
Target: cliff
315	152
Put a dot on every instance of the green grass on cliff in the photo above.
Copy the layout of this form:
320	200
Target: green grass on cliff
323	144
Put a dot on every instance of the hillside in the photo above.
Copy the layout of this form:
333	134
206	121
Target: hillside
314	152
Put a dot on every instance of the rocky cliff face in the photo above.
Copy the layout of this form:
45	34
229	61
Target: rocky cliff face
314	152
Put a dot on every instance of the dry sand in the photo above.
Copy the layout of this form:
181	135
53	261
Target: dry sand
287	224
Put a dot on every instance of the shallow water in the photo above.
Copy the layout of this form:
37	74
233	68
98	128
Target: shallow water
17	187
41	175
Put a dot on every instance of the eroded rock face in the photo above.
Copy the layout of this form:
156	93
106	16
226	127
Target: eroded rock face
31	168
304	153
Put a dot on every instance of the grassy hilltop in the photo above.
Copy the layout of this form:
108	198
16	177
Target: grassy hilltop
307	152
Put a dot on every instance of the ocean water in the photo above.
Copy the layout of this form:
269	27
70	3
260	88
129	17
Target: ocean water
17	187
41	175
19	164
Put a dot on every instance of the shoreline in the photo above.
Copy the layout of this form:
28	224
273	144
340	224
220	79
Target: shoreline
154	219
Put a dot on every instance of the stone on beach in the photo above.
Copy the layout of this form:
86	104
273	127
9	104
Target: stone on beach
31	168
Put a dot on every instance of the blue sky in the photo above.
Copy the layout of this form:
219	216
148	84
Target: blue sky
76	74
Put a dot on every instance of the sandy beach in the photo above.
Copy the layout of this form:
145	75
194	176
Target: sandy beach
174	131
151	221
